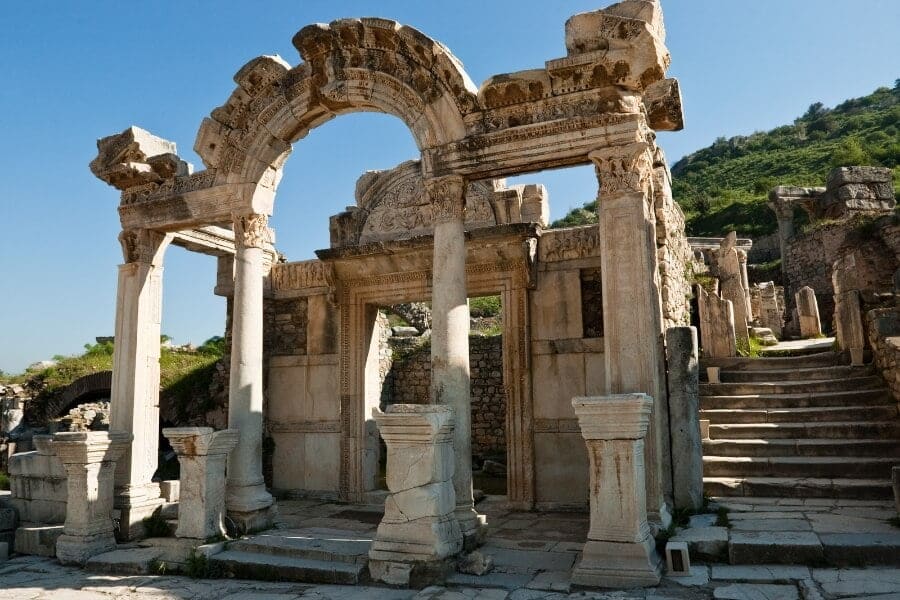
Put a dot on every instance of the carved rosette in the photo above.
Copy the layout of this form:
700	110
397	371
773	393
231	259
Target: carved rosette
447	196
252	231
141	245
624	169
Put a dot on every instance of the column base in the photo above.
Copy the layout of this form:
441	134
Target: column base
136	503
415	574
618	565
251	508
472	525
78	549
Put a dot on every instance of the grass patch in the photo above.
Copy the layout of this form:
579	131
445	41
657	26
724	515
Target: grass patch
155	526
197	566
4	481
894	522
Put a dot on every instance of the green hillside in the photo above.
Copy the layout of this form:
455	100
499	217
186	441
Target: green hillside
724	186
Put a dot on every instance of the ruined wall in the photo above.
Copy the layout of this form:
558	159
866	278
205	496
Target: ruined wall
673	253
409	381
809	258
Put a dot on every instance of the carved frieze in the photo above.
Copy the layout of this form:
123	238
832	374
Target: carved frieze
172	187
570	244
302	275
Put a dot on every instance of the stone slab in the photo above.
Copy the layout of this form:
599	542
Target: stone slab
551	581
707	543
39	540
760	574
699	576
857	549
4	552
530	560
505	581
126	561
770	525
754	591
774	547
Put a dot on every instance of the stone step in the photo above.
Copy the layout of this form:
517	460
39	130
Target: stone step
314	546
802	447
841	430
800	374
803	415
792	387
856	467
820	359
841	398
798	487
272	567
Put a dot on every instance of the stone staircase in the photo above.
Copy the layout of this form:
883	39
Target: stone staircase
311	556
806	426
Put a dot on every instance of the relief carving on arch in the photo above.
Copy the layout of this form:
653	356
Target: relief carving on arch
252	231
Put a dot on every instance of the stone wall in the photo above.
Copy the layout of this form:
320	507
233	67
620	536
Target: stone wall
883	332
285	326
409	380
809	258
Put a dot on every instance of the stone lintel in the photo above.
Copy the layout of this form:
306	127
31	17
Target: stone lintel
77	447
615	417
211	240
415	423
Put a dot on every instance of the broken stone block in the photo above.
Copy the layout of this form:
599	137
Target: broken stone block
475	563
808	312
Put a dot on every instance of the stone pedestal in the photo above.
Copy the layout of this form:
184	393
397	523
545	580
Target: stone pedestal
134	406
620	551
684	410
248	502
90	461
202	454
808	313
731	282
419	530
450	375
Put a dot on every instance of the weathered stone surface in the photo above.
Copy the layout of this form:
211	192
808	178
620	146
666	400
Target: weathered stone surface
808	311
756	591
418	531
620	550
705	542
38	540
202	454
717	324
682	355
774	547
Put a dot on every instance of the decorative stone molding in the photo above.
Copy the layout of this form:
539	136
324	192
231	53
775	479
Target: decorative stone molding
620	551
89	459
252	231
202	454
418	531
624	169
570	243
447	197
143	246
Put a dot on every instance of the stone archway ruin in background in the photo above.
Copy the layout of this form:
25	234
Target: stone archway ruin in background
600	104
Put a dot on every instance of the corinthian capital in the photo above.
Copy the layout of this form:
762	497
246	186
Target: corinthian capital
447	196
624	169
143	246
252	231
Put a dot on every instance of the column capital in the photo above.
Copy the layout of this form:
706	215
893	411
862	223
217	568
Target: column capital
624	169
252	230
143	246
448	197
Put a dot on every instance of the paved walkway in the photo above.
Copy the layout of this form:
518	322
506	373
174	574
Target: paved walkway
533	555
812	345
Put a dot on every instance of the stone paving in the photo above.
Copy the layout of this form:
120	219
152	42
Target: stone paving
533	556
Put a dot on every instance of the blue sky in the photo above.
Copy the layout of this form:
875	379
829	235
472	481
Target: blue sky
76	71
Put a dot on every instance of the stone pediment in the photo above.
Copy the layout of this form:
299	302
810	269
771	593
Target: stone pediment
393	205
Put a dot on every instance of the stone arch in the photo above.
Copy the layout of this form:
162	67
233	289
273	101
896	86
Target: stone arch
83	389
350	65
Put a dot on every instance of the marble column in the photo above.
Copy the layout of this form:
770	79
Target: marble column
632	313
249	504
419	530
202	454
620	551
450	337
134	406
90	462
